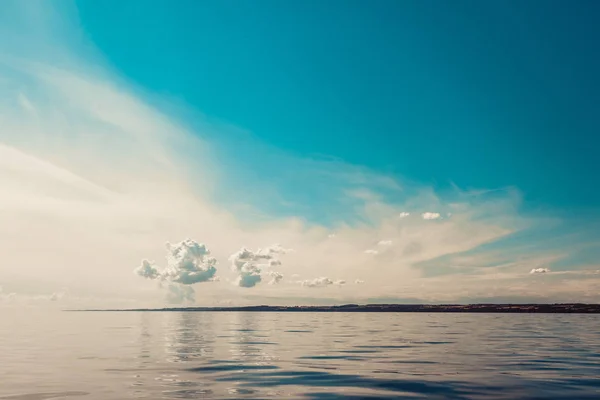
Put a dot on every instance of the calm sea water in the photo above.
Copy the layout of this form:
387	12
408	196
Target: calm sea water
298	355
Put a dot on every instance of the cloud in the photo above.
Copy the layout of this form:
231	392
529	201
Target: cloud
539	271
321	282
276	277
317	282
403	214
247	264
249	275
371	251
147	270
188	263
359	281
431	215
385	243
245	255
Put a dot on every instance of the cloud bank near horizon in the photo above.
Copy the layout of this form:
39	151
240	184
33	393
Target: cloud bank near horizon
93	170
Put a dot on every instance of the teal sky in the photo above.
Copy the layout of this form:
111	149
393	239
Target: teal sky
429	150
482	94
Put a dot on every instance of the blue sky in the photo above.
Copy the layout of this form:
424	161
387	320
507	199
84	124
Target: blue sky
441	151
481	94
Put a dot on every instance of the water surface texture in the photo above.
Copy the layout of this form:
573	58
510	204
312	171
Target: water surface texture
189	355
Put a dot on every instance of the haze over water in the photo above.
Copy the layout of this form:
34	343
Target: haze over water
186	355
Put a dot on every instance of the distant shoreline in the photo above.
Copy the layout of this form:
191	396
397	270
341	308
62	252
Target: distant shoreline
570	308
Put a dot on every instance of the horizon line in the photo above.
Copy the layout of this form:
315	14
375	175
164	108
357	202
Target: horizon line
566	308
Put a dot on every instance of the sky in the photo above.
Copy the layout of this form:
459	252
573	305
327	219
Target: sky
298	152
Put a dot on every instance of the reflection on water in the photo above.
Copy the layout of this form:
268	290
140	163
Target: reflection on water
299	355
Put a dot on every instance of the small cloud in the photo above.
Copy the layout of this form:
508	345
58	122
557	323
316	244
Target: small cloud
276	277
431	215
539	271
359	281
331	235
147	270
317	282
385	243
371	251
340	282
403	214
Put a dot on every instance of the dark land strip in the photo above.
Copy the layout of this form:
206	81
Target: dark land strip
571	308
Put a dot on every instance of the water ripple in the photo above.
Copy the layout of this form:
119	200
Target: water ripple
181	355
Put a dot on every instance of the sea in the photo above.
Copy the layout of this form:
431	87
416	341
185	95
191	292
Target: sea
237	355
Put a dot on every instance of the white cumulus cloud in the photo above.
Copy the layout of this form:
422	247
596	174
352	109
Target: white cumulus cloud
431	215
371	251
539	271
249	264
385	243
188	263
